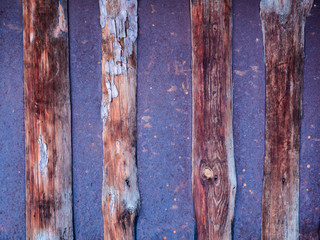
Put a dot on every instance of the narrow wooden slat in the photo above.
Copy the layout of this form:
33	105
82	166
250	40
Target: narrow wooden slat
120	195
214	177
47	120
283	27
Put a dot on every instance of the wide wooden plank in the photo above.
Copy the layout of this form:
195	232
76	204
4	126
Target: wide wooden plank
47	120
214	177
120	195
283	27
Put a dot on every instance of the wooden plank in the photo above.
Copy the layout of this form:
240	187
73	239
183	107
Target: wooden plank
120	195
47	120
213	169
283	27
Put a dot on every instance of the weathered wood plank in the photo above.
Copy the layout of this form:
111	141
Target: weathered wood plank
120	195
283	27
214	177
47	120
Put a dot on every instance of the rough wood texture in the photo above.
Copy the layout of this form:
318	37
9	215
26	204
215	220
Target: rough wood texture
120	195
47	120
214	177
283	28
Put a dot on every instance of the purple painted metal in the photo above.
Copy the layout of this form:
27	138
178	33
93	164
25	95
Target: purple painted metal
85	68
164	120
249	117
310	131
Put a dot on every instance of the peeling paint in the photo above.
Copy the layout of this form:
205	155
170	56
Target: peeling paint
62	23
113	194
112	89
104	112
280	7
125	31
43	162
44	235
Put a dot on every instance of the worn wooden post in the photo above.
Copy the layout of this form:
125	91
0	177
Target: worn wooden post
120	195
283	27
213	169
47	120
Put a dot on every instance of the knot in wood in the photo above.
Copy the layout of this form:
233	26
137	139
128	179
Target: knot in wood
208	173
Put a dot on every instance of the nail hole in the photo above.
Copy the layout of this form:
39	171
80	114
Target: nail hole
215	177
128	182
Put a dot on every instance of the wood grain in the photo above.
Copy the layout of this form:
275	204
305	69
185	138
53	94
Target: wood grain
47	120
120	195
213	168
283	27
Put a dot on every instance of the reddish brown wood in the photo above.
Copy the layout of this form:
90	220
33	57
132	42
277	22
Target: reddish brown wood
214	178
120	196
283	27
47	120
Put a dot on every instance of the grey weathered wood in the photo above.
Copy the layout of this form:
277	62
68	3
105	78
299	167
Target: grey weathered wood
283	27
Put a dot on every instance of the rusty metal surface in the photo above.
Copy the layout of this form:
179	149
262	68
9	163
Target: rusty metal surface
164	121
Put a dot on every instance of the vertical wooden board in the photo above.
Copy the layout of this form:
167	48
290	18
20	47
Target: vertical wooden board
47	120
214	177
283	27
120	195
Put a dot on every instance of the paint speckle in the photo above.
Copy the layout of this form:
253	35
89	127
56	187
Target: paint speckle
104	112
308	166
240	73
173	88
